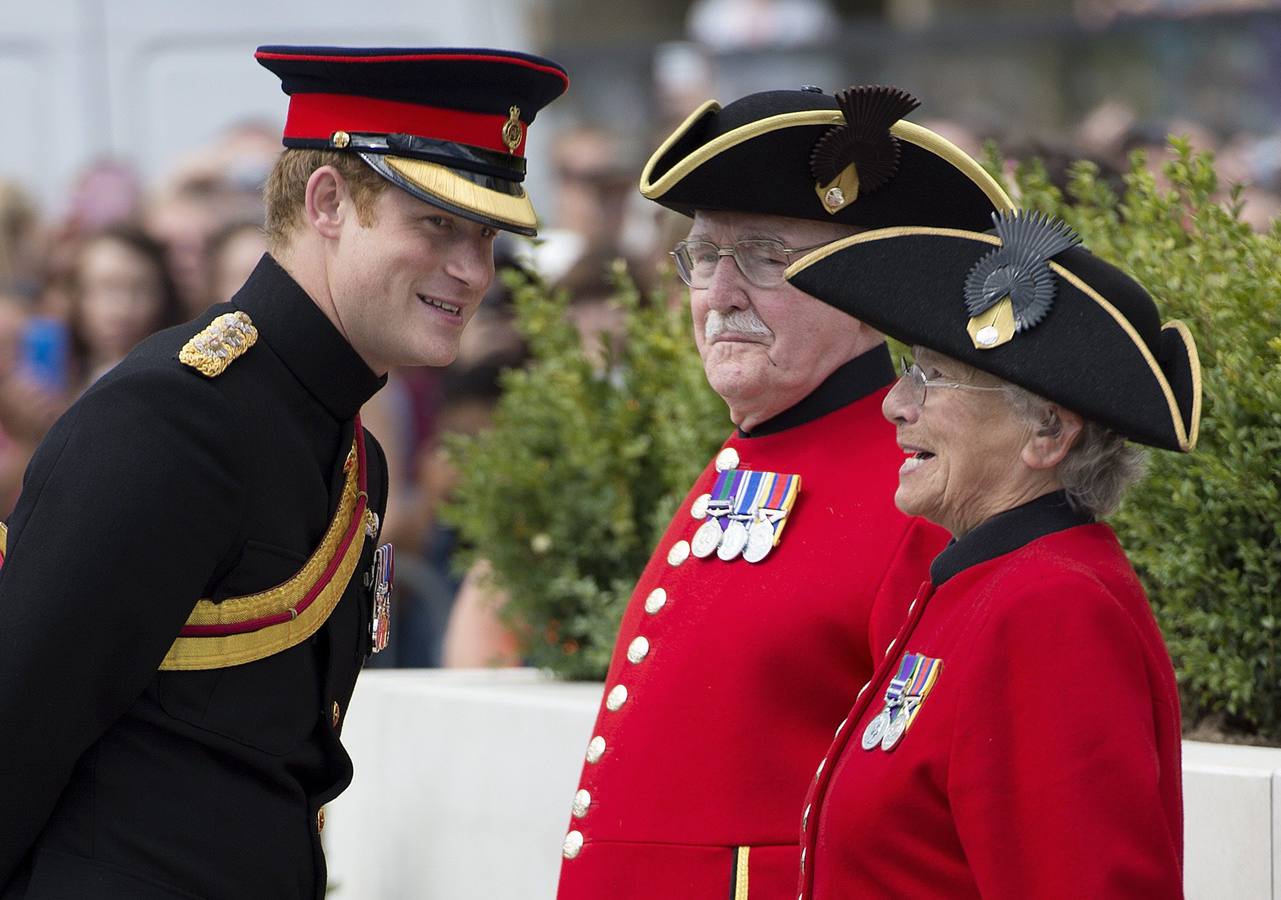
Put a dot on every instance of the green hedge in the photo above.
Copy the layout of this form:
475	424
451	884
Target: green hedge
1204	529
572	488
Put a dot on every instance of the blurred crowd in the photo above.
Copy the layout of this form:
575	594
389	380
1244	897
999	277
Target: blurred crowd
120	260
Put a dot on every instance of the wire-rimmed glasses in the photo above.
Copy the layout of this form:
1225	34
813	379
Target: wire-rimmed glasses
761	260
913	376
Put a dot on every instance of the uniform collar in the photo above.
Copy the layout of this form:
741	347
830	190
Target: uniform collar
306	341
1006	532
863	375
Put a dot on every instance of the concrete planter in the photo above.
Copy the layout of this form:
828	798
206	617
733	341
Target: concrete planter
464	780
1231	822
463	784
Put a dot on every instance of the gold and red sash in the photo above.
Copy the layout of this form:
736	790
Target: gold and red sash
244	629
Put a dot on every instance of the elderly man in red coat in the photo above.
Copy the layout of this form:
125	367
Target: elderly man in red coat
747	633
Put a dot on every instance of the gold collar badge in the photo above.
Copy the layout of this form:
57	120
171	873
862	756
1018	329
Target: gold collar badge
219	344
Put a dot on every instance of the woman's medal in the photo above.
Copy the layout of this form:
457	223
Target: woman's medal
875	730
894	731
907	691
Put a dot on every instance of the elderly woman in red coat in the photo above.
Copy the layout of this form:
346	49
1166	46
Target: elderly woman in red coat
1020	737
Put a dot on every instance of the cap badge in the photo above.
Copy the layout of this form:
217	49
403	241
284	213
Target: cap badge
511	130
1011	289
860	155
219	344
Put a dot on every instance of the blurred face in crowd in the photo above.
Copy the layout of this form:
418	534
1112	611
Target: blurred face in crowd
969	453
405	285
13	319
235	259
765	348
120	297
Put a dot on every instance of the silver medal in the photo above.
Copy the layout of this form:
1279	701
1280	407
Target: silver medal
733	542
706	539
876	730
760	541
894	731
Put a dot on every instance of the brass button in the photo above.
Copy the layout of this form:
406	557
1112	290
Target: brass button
638	649
698	509
573	844
582	800
678	553
595	749
656	600
320	819
335	714
617	697
727	459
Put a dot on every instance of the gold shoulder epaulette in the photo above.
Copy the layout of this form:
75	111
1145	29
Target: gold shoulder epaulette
219	344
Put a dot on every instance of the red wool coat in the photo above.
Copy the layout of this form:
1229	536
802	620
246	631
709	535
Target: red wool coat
693	785
1044	761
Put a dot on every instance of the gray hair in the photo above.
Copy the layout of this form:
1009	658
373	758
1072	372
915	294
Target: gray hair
1099	467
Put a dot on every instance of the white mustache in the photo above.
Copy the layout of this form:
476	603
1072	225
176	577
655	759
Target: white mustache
738	321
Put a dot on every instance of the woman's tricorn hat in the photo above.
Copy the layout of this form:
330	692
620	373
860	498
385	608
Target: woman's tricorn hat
850	158
1028	305
446	125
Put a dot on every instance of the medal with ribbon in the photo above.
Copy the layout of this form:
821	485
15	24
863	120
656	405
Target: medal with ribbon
907	691
777	495
746	512
740	516
719	503
380	612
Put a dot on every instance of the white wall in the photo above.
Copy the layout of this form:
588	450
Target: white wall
150	80
464	781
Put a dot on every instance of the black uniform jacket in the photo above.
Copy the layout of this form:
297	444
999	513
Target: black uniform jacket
159	487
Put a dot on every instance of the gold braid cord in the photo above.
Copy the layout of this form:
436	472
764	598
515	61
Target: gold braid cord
188	653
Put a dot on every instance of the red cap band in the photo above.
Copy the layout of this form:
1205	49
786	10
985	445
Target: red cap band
318	116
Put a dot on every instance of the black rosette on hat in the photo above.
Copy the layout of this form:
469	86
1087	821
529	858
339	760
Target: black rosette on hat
447	125
860	155
850	158
1011	289
1075	329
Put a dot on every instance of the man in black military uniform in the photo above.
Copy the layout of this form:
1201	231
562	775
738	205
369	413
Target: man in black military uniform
191	582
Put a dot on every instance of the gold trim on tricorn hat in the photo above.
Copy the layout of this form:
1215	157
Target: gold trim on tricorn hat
757	155
1098	348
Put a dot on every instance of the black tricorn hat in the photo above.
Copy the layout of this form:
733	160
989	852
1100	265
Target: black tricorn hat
1029	306
447	125
849	158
